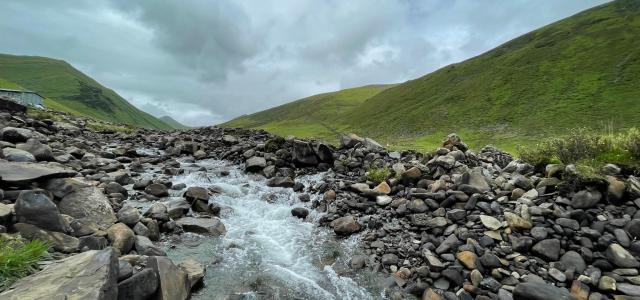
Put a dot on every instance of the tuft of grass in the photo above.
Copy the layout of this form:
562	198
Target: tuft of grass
18	259
586	148
101	127
378	174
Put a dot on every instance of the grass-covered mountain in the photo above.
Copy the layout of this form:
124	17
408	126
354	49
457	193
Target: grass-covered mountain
320	116
583	71
173	123
67	89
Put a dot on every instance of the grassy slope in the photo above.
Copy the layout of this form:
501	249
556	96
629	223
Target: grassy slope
581	71
316	116
68	89
173	123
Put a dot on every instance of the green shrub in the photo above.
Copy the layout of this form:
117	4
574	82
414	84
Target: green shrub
19	259
378	174
586	147
632	142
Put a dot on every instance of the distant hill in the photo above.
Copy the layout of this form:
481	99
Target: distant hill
69	90
173	123
583	71
318	116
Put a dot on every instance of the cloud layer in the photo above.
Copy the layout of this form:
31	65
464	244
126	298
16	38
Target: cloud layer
205	62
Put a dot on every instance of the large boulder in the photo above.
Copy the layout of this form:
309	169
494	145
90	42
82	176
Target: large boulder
212	226
89	204
88	275
303	154
15	135
57	240
174	282
34	207
122	237
17	155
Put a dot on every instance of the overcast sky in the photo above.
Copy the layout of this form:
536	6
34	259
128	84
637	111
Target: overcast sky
205	62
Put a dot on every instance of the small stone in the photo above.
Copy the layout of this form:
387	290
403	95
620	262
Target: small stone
516	222
540	291
490	222
468	259
607	283
382	188
383	200
345	225
580	290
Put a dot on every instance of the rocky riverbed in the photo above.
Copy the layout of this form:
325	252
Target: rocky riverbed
232	213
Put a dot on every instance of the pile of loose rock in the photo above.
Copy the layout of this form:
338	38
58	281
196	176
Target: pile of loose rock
452	224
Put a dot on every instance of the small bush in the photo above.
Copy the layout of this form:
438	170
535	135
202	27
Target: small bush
583	146
632	142
19	259
378	174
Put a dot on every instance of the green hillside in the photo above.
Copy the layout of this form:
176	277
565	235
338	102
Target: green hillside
318	116
68	89
173	123
583	71
580	71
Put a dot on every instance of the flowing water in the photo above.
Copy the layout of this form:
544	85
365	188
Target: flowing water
267	253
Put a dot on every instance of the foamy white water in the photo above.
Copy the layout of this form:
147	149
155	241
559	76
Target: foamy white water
267	253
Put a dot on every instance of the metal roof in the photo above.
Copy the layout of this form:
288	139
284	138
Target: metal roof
20	91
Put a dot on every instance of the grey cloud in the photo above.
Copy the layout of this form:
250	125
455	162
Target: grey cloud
205	62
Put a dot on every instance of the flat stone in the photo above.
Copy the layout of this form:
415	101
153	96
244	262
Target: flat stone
211	226
57	240
540	291
88	275
629	289
490	222
24	173
17	155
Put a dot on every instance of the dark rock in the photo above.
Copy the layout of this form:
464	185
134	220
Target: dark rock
548	249
157	189
540	291
303	154
285	182
34	207
300	212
